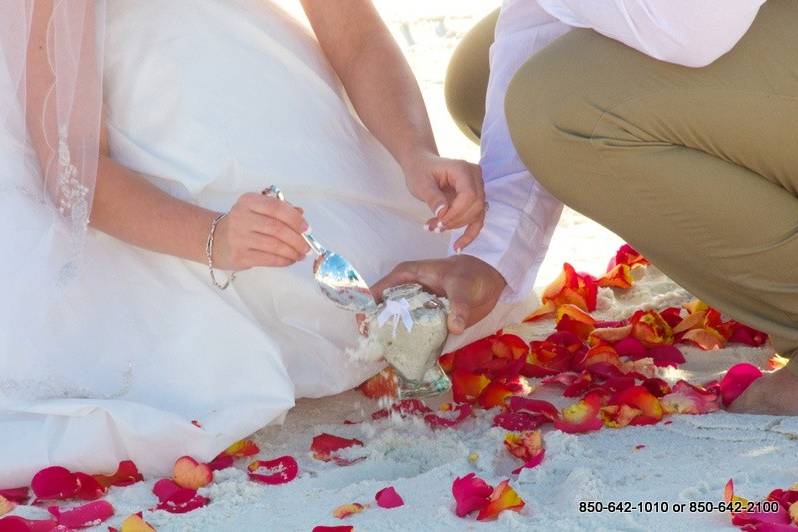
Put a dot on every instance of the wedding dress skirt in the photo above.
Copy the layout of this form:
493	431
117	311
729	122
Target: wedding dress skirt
217	98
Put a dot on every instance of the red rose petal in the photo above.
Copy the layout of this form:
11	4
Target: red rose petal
533	462
631	347
688	399
273	472
534	406
461	412
583	416
324	446
126	474
90	514
666	355
389	498
18	495
89	489
175	499
341	528
404	408
15	523
470	493
737	380
520	421
55	483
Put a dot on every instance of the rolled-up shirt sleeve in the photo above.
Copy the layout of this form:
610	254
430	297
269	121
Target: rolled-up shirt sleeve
522	215
691	33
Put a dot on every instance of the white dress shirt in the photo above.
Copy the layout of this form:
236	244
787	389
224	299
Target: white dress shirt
522	215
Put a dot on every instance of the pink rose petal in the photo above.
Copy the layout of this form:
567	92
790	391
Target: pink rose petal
737	380
18	495
175	499
388	498
471	493
532	462
91	514
15	523
55	483
273	472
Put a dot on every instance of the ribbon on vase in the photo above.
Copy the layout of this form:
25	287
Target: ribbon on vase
396	310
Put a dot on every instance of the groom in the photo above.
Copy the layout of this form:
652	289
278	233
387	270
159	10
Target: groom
671	122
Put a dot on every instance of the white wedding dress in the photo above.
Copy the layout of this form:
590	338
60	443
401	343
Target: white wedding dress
217	98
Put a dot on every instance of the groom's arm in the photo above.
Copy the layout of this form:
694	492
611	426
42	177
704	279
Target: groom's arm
692	33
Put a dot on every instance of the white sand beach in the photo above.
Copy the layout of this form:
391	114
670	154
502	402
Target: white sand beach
689	459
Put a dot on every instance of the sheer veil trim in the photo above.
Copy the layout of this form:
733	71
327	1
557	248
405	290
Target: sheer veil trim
56	139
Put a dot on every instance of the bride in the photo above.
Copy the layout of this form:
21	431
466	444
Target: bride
117	343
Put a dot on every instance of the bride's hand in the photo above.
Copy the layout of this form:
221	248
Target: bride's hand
454	192
260	231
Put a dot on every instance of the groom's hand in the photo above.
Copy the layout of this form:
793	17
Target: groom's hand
471	285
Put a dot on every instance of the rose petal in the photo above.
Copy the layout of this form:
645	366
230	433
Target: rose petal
650	328
743	334
126	474
342	528
737	380
345	510
273	472
666	355
388	498
640	398
91	514
656	386
571	318
631	347
544	312
222	461
136	523
610	334
504	497
619	276
600	354
583	416
383	384
705	338
6	505
55	483
461	412
190	474
15	523
20	495
534	406
470	493
176	499
688	399
324	446
467	386
242	449
628	255
533	462
495	394
619	416
524	445
520	421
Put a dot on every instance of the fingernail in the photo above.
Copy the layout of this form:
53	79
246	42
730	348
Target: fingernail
439	209
458	322
427	228
458	250
439	227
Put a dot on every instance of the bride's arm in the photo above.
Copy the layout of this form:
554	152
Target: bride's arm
259	231
387	98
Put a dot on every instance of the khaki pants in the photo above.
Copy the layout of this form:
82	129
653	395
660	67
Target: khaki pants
696	168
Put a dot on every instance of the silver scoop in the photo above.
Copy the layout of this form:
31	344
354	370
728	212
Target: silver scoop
336	276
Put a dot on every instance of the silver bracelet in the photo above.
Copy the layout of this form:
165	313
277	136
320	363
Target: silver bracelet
209	254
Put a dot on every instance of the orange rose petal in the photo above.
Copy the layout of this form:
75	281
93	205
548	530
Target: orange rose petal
571	318
495	394
696	305
688	399
619	416
544	312
345	510
640	398
509	346
610	334
777	362
242	449
136	523
618	277
190	474
5	505
383	384
692	321
467	386
600	354
706	339
504	497
651	329
524	445
582	416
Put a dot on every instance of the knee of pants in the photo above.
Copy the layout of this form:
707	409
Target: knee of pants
467	78
551	130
